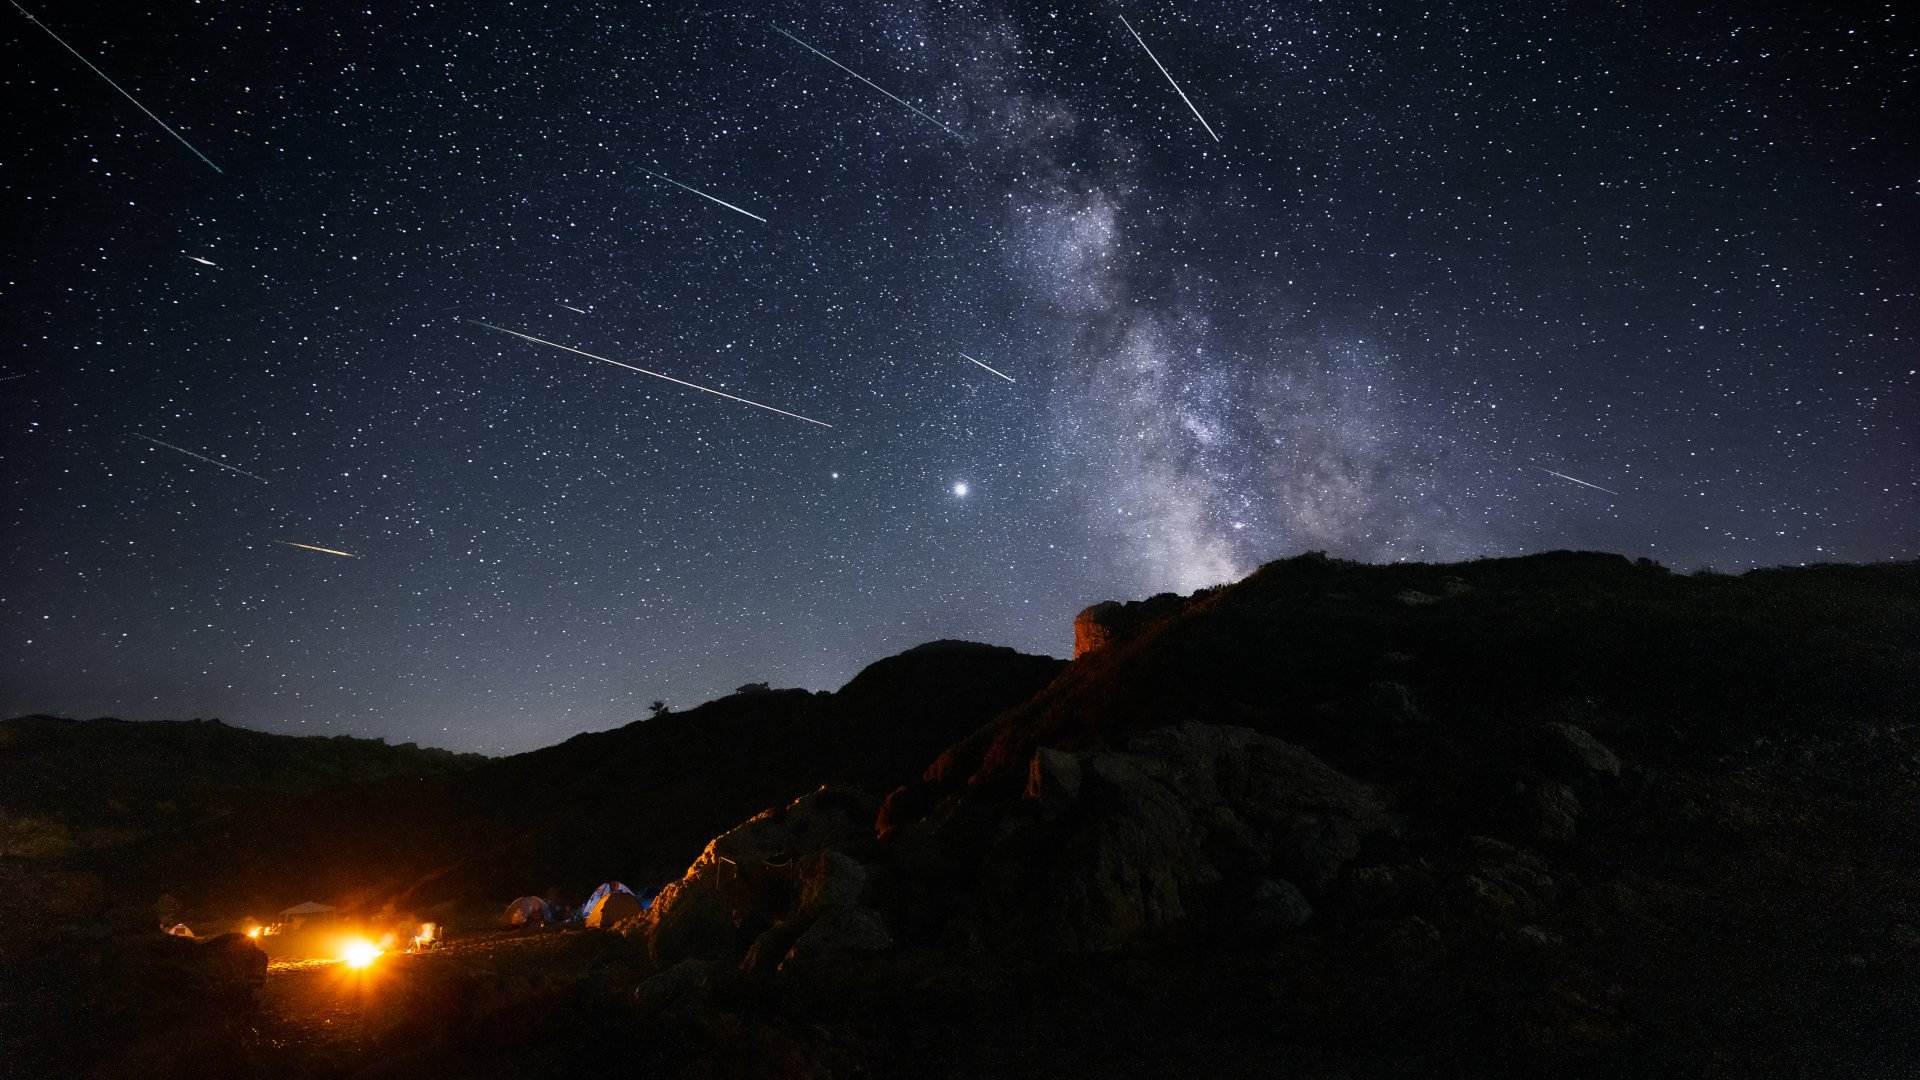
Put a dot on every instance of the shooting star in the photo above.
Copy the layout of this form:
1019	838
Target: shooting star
866	80
655	374
1576	480
117	86
10	378
703	195
204	262
570	307
202	457
321	550
1169	75
996	371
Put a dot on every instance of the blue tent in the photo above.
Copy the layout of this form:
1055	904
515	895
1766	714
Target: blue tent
601	893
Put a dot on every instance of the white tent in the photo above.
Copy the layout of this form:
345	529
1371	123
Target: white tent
529	911
307	912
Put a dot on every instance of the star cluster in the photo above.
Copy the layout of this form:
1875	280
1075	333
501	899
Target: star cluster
1070	344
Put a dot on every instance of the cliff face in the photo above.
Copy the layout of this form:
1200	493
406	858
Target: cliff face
1111	621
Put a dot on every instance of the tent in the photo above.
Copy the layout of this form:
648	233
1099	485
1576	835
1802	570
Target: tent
307	912
529	911
609	904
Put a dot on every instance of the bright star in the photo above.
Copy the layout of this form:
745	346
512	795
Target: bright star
960	490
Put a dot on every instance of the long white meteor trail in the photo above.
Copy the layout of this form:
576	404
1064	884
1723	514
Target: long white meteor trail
866	80
1576	480
570	307
655	374
204	262
321	550
117	86
1169	75
202	457
996	371
705	196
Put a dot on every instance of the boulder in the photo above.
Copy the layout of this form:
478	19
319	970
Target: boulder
837	931
1568	752
756	875
1549	812
682	982
1155	825
1093	628
1275	907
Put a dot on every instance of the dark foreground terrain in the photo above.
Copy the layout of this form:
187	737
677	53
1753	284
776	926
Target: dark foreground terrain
1559	815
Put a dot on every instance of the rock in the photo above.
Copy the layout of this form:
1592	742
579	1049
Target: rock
1549	812
831	879
1105	623
1569	752
1500	884
1158	823
837	931
1093	628
1537	937
1053	777
683	981
1276	907
1415	598
1388	890
1391	706
752	876
1408	943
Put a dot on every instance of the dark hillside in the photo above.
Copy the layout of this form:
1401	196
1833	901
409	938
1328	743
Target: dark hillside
105	783
1301	646
635	803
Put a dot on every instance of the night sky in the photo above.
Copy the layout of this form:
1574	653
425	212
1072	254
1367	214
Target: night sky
1432	259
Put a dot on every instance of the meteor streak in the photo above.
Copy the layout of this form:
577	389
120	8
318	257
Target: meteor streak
204	262
644	371
1002	374
866	80
1169	75
703	195
117	86
1576	480
202	457
321	550
570	307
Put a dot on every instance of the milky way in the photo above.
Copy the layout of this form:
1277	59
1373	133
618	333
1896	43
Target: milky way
1359	280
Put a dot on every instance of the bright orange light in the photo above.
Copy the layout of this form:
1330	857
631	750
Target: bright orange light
253	932
359	953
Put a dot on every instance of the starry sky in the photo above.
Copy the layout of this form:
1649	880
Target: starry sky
1393	282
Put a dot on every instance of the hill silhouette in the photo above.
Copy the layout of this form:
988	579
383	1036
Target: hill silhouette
635	803
1566	814
106	783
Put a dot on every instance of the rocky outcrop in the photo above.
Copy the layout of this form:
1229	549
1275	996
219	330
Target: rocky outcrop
1105	623
1123	843
758	890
